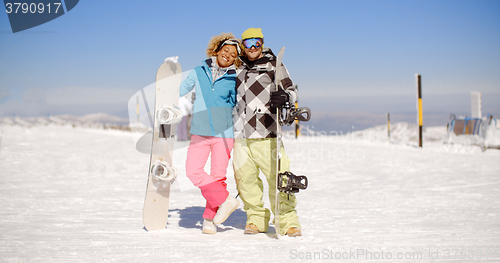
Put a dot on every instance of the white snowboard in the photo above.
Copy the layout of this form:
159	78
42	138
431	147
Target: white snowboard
161	172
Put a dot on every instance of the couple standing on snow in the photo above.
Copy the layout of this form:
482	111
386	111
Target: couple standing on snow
235	109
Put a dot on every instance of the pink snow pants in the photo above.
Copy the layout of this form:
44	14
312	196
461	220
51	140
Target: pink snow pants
213	185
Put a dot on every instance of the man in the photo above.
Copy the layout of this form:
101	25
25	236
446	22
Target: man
255	130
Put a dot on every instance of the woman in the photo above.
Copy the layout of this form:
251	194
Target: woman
212	127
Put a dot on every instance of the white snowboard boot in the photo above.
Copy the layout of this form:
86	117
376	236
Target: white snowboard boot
209	227
226	209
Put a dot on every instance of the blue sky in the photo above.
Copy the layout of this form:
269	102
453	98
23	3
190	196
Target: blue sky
344	55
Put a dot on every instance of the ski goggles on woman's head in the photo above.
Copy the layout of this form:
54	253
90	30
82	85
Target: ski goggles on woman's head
234	42
253	42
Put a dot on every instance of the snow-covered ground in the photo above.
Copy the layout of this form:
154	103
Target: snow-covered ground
76	194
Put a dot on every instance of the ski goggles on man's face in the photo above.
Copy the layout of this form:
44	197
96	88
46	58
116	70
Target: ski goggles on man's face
253	42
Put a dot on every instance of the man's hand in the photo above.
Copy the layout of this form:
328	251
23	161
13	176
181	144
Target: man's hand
278	99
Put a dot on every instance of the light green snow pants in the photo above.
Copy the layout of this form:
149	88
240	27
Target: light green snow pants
250	156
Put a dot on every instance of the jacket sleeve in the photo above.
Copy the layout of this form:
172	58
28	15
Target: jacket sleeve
188	84
287	84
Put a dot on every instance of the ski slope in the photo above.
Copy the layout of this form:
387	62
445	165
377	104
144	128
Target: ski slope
76	194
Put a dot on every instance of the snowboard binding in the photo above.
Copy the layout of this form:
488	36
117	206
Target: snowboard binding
169	115
163	171
289	114
290	183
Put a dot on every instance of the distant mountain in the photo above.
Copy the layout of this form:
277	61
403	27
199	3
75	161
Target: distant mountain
96	119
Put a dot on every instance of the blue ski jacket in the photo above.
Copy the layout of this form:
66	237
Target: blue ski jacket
213	106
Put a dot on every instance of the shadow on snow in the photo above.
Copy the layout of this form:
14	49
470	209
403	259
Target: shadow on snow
192	217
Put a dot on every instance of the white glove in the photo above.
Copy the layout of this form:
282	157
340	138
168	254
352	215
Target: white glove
173	59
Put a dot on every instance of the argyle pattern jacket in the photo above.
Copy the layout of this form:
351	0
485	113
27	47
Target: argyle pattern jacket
252	117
